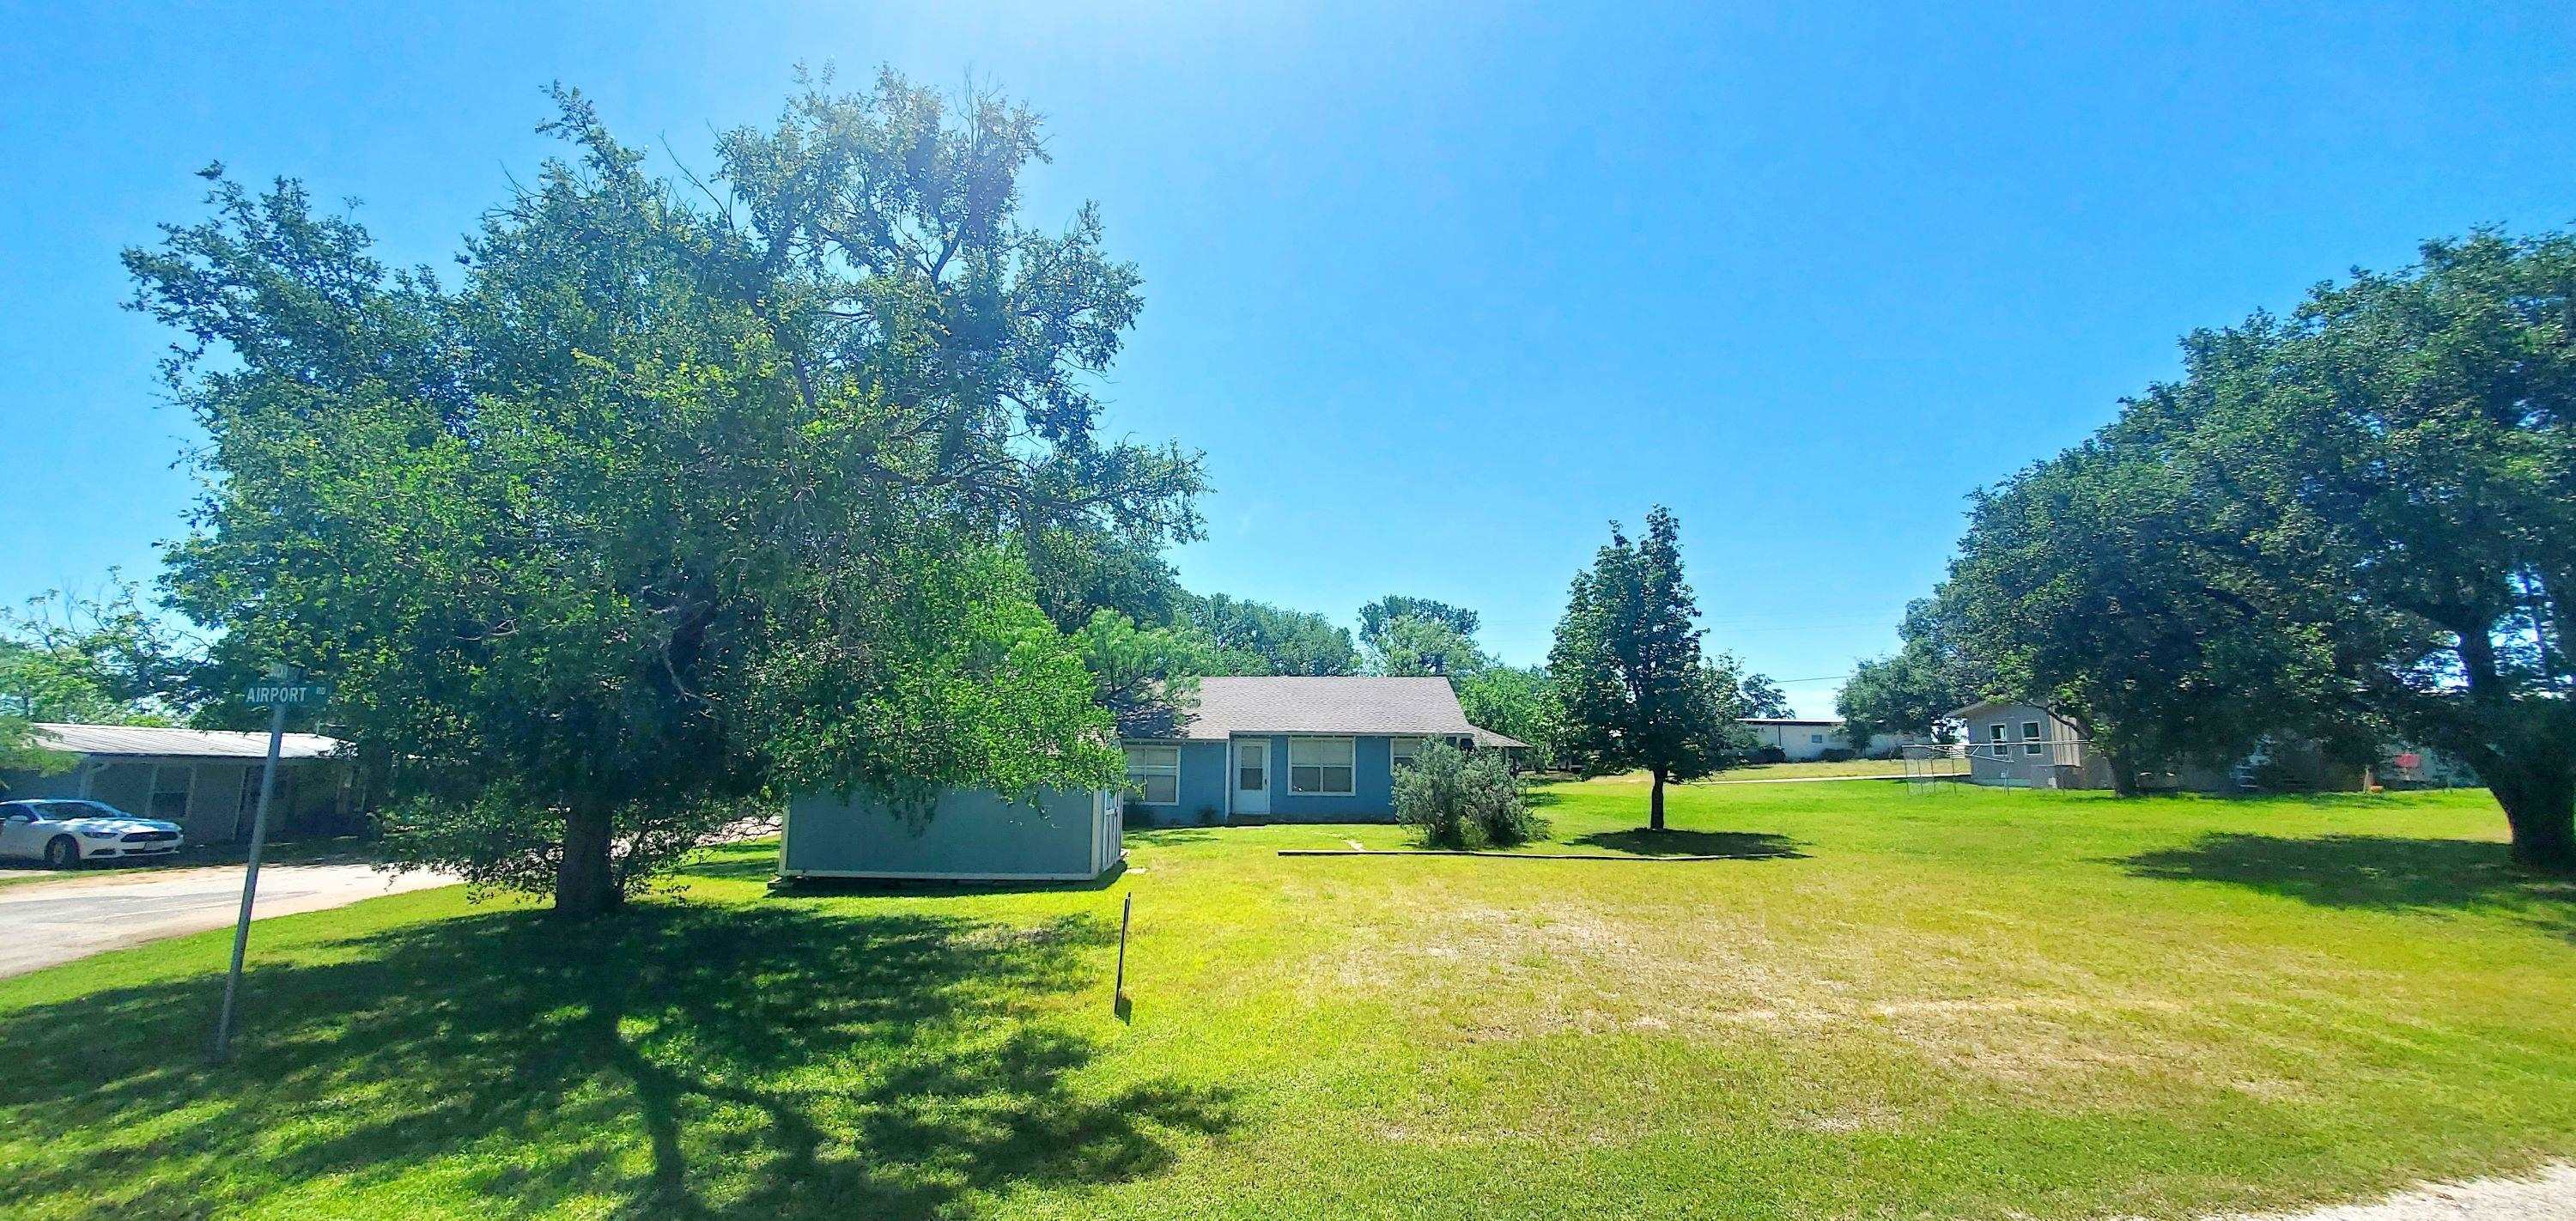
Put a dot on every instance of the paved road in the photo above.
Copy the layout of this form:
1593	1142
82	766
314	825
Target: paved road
56	921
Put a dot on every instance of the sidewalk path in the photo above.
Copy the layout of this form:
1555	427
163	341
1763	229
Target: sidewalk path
2548	1194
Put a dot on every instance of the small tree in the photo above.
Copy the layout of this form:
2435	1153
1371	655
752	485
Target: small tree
1634	689
1463	799
1763	696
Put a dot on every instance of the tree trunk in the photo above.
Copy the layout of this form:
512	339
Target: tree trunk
2540	806
585	886
1655	809
2124	774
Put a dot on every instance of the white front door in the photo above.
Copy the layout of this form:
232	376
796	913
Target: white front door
1252	775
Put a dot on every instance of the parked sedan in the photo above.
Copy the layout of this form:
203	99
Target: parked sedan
65	833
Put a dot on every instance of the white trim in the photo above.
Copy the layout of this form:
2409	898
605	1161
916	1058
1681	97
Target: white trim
1234	790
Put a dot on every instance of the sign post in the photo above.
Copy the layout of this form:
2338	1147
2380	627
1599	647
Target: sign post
278	692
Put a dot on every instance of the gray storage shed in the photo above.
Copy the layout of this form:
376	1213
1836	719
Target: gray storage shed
971	835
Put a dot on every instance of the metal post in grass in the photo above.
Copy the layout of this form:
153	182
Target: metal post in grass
278	693
1118	1003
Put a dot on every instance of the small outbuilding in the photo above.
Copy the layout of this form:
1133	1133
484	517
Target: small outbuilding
968	835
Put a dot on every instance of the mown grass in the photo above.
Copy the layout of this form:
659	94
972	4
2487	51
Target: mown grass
1810	770
1960	1003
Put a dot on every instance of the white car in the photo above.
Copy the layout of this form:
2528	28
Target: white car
65	833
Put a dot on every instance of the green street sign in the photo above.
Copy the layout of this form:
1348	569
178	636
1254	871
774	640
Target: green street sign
286	695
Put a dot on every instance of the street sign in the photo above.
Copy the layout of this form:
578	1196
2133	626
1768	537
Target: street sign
274	694
277	693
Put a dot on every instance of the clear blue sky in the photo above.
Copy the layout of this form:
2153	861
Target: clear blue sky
1438	293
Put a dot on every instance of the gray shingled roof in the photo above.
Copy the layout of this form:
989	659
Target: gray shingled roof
151	741
1406	706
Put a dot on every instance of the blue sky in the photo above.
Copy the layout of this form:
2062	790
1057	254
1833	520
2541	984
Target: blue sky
1438	291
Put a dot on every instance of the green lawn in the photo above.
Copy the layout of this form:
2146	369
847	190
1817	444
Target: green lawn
1959	1003
1810	770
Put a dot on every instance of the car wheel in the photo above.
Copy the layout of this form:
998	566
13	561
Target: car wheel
62	853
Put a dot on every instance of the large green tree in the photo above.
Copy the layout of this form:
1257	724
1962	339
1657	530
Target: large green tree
1256	638
103	658
2362	512
676	497
1379	617
2088	585
1407	647
1515	701
1632	686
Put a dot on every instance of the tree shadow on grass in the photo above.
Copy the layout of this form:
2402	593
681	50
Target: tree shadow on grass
1743	845
674	1060
2367	871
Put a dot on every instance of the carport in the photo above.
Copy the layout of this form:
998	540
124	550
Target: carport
206	780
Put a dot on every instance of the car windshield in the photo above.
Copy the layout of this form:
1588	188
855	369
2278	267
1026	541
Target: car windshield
78	809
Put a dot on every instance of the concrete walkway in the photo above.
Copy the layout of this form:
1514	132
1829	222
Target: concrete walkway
2548	1194
59	920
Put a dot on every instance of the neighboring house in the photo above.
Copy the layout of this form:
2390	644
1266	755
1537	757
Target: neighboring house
1802	740
2023	745
1250	750
1289	749
206	780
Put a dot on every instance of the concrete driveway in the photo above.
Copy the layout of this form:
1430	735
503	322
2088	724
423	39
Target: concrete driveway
58	920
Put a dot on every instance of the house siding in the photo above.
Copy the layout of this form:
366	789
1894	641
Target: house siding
1372	781
2065	759
218	806
969	834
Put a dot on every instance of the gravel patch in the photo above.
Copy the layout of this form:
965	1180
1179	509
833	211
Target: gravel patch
2548	1194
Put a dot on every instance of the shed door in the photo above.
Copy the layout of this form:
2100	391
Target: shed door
1252	775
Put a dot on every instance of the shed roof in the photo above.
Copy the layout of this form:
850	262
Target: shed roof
159	742
1341	705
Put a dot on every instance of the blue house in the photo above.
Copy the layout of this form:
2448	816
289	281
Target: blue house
1252	750
1289	749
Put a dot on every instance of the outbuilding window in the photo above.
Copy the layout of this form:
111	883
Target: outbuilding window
1321	767
1154	772
2030	735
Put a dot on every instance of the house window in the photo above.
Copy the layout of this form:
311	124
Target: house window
1816	739
2030	736
1400	751
170	792
1321	767
1155	773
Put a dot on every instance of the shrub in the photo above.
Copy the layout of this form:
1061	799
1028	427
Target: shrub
1460	799
1836	754
1770	754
